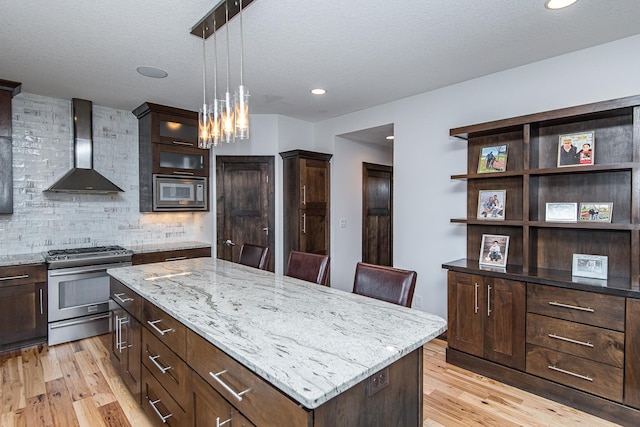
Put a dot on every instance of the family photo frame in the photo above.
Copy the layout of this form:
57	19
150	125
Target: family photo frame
493	159
595	211
494	250
576	149
561	212
491	204
593	266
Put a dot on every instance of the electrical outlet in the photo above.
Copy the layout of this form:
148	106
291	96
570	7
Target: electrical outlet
418	301
343	223
378	381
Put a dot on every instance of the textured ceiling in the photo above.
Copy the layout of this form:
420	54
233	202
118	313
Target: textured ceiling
364	52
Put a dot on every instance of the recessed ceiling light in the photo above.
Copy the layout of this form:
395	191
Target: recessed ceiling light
558	4
154	72
390	137
318	91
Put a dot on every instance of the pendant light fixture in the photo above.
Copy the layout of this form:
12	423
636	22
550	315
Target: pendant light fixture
242	94
204	116
228	111
214	107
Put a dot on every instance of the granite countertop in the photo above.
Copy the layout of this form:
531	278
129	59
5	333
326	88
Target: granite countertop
21	259
173	246
311	342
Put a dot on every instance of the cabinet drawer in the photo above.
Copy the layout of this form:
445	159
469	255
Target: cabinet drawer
589	308
162	256
21	274
126	298
164	327
208	405
158	404
255	398
586	375
167	368
590	342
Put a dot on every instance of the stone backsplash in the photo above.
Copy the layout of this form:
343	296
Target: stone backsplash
43	152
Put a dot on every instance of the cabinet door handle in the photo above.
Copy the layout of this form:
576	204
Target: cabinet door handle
488	300
476	307
41	305
116	330
304	194
160	331
218	423
121	344
122	300
238	396
304	223
176	258
163	418
159	366
573	307
188	144
22	276
182	173
573	374
558	337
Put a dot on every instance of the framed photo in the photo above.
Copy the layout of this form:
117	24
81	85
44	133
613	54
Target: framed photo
562	212
595	211
491	204
494	250
493	159
594	266
576	149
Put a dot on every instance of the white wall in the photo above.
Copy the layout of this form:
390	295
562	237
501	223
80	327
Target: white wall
425	156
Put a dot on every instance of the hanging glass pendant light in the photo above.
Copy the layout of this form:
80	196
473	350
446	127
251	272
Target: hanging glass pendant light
242	94
228	111
214	107
204	116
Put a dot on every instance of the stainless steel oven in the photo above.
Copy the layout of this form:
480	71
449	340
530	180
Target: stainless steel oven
78	286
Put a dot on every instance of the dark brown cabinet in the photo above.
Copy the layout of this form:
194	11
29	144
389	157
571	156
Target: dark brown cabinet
487	317
8	90
23	298
209	408
173	255
306	196
168	145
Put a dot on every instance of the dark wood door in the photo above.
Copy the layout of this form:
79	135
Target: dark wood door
377	214
245	204
126	339
504	329
23	316
465	316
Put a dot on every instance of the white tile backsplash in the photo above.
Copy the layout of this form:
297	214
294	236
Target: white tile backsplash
43	152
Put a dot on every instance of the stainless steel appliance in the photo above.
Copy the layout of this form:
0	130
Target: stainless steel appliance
78	287
171	193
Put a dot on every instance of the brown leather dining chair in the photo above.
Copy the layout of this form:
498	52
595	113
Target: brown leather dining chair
310	267
385	283
254	256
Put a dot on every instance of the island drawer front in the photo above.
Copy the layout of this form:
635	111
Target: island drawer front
606	311
262	404
158	404
586	375
590	342
170	371
164	327
208	405
22	274
126	298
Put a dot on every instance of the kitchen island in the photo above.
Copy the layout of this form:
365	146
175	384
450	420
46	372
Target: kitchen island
322	356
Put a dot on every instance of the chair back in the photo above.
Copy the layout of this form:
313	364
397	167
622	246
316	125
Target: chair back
310	267
385	283
254	256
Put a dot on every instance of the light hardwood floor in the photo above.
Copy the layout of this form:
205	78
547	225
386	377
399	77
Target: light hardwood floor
74	384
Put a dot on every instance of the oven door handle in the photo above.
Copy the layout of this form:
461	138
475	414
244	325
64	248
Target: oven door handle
78	322
54	273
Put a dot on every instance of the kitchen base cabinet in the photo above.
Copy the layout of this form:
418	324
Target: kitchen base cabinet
632	347
211	409
173	255
159	405
23	298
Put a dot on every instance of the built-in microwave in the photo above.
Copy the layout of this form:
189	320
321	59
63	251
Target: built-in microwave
172	193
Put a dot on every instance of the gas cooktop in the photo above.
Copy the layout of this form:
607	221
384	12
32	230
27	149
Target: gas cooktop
60	258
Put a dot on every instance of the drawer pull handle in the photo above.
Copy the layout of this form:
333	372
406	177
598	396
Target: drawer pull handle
226	387
183	143
573	374
22	276
160	331
558	337
183	173
475	307
218	423
122	300
153	405
159	366
574	307
176	258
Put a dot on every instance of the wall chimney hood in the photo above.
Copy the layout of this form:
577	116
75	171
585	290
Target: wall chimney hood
83	178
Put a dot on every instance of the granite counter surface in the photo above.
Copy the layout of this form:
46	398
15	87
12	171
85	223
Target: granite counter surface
309	341
172	246
21	259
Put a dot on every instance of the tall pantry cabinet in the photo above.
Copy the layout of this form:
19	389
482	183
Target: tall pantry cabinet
306	195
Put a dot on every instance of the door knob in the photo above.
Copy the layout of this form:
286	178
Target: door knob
228	242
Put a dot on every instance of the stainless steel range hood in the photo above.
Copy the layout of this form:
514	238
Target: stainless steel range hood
83	178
